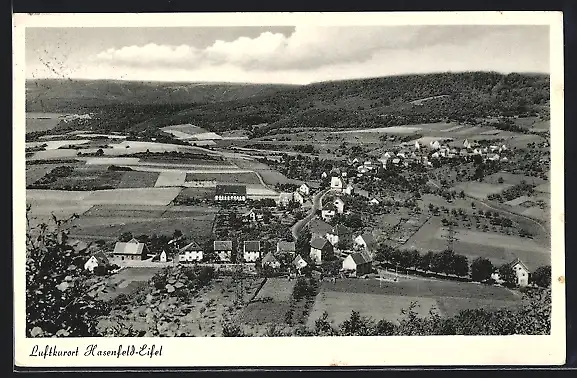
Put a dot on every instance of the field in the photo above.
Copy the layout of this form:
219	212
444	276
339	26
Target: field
37	171
88	178
135	179
279	289
481	190
127	282
111	221
232	177
195	193
513	179
385	300
170	178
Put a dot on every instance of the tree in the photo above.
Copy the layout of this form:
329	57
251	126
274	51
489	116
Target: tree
507	275
542	276
481	269
460	265
58	302
125	236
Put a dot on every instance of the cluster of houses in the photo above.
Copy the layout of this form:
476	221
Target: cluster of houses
425	155
301	195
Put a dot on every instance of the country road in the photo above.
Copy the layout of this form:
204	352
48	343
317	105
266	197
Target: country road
317	202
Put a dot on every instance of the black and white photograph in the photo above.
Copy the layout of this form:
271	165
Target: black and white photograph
332	179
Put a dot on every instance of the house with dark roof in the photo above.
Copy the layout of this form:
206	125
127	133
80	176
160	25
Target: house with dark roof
328	211
251	250
190	252
320	249
319	228
223	250
338	233
283	247
358	262
130	250
366	241
339	205
270	261
97	259
299	263
522	272
229	193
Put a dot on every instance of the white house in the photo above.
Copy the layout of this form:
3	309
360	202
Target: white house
298	197
466	144
358	262
366	241
251	250
338	233
97	259
374	201
328	212
323	175
190	252
304	190
223	250
349	189
270	261
299	263
417	145
336	183
320	248
435	144
340	205
284	198
521	271
162	257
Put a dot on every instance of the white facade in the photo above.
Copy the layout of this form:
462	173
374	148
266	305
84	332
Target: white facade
304	190
349	263
230	198
316	255
327	215
91	264
251	256
348	190
340	205
297	197
163	256
522	274
336	183
333	239
190	256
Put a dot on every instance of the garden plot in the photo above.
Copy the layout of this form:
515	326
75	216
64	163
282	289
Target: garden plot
279	289
171	178
135	196
136	179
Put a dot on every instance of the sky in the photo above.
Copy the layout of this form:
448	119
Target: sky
281	54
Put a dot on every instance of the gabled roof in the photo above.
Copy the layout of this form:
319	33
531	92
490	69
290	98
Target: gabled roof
101	257
129	248
269	259
285	246
369	239
223	245
299	261
340	230
285	196
192	246
318	243
360	258
319	226
338	199
329	207
252	246
517	261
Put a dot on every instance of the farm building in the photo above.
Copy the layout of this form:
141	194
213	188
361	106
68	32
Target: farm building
163	257
285	247
336	183
299	263
340	205
320	248
131	250
190	252
284	199
358	262
349	189
223	250
304	190
521	271
252	216
251	250
366	241
374	201
270	261
96	260
230	193
338	233
319	228
328	212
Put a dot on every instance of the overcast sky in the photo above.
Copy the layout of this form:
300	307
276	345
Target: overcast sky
296	55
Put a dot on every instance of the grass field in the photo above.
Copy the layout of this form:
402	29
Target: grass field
197	193
387	299
135	179
240	178
279	289
170	178
111	160
493	239
513	179
88	178
133	196
37	171
481	190
42	121
127	282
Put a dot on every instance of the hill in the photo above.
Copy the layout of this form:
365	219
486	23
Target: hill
363	103
57	95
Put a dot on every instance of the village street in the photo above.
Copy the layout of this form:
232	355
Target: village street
317	203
